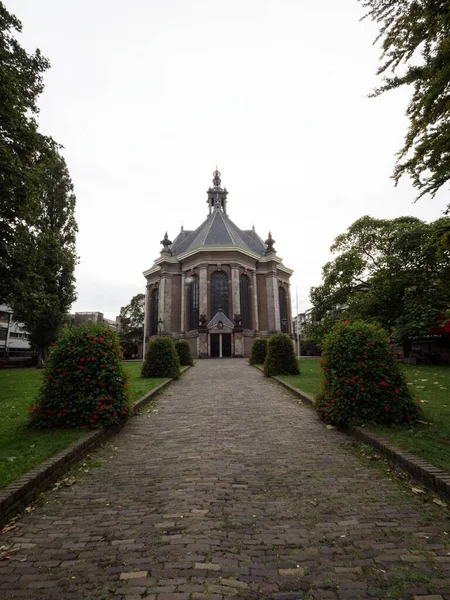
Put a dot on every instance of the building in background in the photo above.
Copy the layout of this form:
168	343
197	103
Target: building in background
14	340
218	286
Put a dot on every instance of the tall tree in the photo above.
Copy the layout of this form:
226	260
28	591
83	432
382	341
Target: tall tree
395	272
43	300
20	85
132	324
415	38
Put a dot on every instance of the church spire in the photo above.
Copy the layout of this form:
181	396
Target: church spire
217	196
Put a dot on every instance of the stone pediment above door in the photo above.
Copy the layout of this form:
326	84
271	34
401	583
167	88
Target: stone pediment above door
220	323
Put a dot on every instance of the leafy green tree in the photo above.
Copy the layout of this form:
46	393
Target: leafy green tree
393	272
43	299
131	330
415	37
20	143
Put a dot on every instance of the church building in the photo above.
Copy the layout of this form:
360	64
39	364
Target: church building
218	286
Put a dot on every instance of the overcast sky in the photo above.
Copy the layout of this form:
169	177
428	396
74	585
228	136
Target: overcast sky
146	96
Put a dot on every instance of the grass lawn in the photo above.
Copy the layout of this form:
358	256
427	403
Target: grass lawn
22	448
431	383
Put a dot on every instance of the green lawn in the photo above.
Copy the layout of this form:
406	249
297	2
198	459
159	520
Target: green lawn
22	448
431	383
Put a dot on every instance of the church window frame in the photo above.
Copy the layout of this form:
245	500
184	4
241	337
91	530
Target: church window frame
154	311
282	298
194	303
219	292
244	297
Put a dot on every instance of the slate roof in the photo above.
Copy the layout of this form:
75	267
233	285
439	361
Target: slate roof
217	230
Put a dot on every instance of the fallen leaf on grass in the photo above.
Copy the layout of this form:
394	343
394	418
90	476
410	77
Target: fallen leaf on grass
68	481
312	502
417	490
439	502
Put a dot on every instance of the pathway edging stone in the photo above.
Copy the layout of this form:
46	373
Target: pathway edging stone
21	492
430	476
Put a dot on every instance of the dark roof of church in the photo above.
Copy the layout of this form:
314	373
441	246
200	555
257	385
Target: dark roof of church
218	230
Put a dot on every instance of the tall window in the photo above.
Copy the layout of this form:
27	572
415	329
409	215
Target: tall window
244	292
219	292
194	304
154	311
283	309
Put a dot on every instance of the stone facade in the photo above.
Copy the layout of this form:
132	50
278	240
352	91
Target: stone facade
218	286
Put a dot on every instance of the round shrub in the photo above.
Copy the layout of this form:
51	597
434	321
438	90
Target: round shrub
259	351
280	358
184	353
84	381
161	359
362	380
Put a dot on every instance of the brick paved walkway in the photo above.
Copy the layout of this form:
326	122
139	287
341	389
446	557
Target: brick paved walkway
230	490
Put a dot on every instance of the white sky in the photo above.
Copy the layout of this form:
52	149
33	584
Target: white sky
146	96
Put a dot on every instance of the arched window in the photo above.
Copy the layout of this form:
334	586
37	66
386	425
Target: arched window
154	311
194	304
283	310
244	292
219	292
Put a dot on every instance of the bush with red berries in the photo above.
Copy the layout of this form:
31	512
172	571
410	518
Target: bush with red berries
362	379
85	384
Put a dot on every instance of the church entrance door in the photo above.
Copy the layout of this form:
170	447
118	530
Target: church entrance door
226	345
220	345
215	349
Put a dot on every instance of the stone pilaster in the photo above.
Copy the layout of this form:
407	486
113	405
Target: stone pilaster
183	303
273	303
235	292
203	289
255	302
146	318
165	302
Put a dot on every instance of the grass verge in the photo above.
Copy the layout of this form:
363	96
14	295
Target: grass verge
431	383
21	447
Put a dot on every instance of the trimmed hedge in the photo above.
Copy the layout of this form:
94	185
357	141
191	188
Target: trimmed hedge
258	352
184	353
85	384
362	380
161	359
280	358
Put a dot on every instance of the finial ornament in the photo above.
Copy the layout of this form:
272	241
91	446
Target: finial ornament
269	243
166	242
216	180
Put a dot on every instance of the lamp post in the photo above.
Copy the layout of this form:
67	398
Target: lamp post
160	327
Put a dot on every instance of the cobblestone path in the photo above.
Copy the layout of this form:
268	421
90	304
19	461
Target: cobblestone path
230	489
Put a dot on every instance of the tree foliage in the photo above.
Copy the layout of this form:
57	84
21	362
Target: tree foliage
415	37
362	379
47	254
393	272
131	330
20	143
